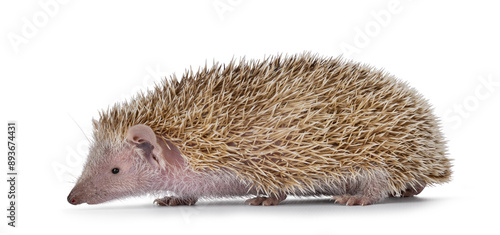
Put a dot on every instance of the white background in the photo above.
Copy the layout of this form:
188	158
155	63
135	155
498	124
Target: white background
60	63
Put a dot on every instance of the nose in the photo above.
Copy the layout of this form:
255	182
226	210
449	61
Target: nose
72	200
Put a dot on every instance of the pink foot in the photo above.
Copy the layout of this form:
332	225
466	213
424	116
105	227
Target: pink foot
351	200
175	201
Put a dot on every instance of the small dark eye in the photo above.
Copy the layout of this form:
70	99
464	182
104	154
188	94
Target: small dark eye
115	170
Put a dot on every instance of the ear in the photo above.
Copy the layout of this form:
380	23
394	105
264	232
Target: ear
157	151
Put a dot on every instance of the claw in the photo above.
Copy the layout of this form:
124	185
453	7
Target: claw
265	201
351	200
175	201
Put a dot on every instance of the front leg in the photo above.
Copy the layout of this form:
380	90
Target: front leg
266	201
175	201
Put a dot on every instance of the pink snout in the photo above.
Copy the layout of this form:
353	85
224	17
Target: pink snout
72	199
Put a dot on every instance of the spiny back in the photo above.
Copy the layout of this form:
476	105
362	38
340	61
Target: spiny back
286	122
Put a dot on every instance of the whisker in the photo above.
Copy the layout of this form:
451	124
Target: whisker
79	127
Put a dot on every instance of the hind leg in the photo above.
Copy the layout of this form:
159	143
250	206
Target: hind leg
366	197
364	190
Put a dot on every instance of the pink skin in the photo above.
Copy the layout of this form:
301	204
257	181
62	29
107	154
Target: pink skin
98	183
138	161
147	164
